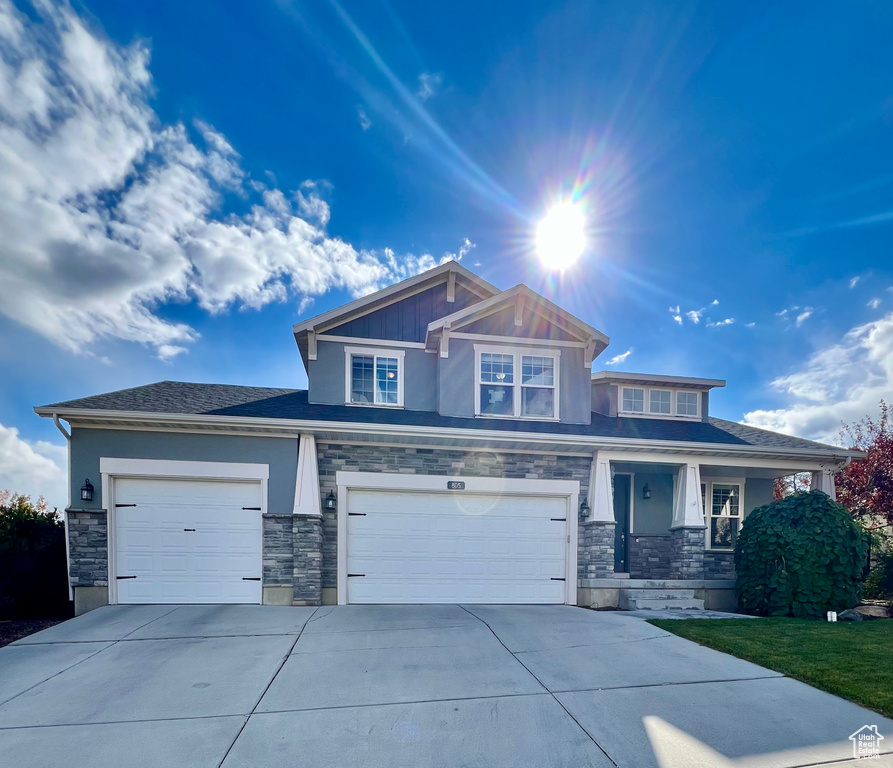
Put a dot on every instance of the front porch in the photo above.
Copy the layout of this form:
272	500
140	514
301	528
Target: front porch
659	527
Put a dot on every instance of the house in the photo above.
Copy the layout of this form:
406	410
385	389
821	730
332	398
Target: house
453	445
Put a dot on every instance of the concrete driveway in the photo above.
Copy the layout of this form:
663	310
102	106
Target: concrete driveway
446	685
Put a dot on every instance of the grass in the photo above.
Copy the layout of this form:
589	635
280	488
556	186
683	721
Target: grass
852	660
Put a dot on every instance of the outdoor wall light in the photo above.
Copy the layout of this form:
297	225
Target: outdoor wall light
584	508
330	500
87	491
646	491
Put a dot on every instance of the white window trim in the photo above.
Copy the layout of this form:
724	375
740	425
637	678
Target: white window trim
110	469
648	414
348	481
517	353
709	482
675	406
374	353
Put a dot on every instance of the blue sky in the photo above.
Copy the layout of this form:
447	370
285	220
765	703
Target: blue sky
180	182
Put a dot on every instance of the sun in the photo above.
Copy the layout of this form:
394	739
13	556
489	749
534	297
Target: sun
561	236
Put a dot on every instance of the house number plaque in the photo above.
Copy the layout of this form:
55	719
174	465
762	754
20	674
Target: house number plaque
455	485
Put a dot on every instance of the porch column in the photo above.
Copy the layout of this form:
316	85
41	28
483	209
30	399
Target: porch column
307	526
823	480
597	530
687	529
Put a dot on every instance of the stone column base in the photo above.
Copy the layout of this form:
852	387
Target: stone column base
307	559
687	553
596	550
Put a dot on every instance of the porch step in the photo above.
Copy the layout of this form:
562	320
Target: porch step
660	599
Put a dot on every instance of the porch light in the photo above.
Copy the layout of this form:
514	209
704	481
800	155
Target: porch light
330	500
584	508
646	491
87	490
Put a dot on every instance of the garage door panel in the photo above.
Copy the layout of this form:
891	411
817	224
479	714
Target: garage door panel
445	547
188	541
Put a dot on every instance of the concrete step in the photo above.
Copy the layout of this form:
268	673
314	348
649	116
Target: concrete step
662	604
669	593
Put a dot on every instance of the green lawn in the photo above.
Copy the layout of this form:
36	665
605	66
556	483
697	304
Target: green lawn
852	660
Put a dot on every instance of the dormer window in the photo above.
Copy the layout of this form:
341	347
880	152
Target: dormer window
501	391
374	376
687	403
661	401
633	400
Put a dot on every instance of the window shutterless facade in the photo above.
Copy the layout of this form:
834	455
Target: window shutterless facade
373	376
724	508
516	383
653	401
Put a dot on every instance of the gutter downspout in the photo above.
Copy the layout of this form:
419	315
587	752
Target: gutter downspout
67	435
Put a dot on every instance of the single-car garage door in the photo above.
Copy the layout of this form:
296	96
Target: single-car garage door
187	541
433	547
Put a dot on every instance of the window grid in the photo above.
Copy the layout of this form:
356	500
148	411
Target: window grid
501	394
660	401
724	515
374	379
687	403
633	400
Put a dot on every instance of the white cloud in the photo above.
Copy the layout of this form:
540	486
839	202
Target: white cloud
804	316
874	303
749	325
34	468
676	313
714	303
618	359
721	323
694	315
853	281
840	383
429	82
108	214
365	122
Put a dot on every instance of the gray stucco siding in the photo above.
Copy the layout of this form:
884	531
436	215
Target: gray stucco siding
89	445
328	377
757	493
654	515
458	379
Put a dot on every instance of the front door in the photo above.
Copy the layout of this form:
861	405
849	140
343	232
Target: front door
621	529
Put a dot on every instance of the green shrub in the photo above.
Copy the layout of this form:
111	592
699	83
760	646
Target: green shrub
32	559
799	556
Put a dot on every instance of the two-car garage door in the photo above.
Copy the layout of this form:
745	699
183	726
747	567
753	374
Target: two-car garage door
418	546
187	541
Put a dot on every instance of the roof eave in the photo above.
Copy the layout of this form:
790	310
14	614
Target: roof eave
585	442
657	379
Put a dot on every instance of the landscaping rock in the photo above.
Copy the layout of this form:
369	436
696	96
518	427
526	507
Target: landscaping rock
850	615
874	611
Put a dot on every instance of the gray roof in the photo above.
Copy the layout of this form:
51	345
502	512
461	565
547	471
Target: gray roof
177	397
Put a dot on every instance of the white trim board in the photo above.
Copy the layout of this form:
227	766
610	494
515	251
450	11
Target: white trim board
570	489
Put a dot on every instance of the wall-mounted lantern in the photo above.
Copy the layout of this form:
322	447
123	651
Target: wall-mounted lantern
584	508
87	491
646	491
330	500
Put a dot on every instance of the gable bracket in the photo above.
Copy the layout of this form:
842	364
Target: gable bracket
451	287
445	341
311	345
519	310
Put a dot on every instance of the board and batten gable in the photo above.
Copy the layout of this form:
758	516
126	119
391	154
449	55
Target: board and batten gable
89	445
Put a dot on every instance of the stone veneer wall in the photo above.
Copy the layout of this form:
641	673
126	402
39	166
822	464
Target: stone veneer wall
308	559
88	545
278	550
719	565
595	555
335	457
687	553
649	556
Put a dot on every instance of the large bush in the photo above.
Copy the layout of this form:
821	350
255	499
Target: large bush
32	559
799	556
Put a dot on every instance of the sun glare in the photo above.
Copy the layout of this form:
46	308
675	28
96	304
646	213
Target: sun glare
561	236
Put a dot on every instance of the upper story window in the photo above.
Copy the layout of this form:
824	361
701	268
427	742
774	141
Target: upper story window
374	377
659	402
633	400
687	403
516	383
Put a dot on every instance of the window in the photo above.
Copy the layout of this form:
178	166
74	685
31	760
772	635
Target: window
374	377
633	400
724	515
687	403
501	391
660	401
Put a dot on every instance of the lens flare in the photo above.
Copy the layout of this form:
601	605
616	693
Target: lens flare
561	236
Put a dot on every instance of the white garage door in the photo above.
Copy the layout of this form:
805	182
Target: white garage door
188	541
429	547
